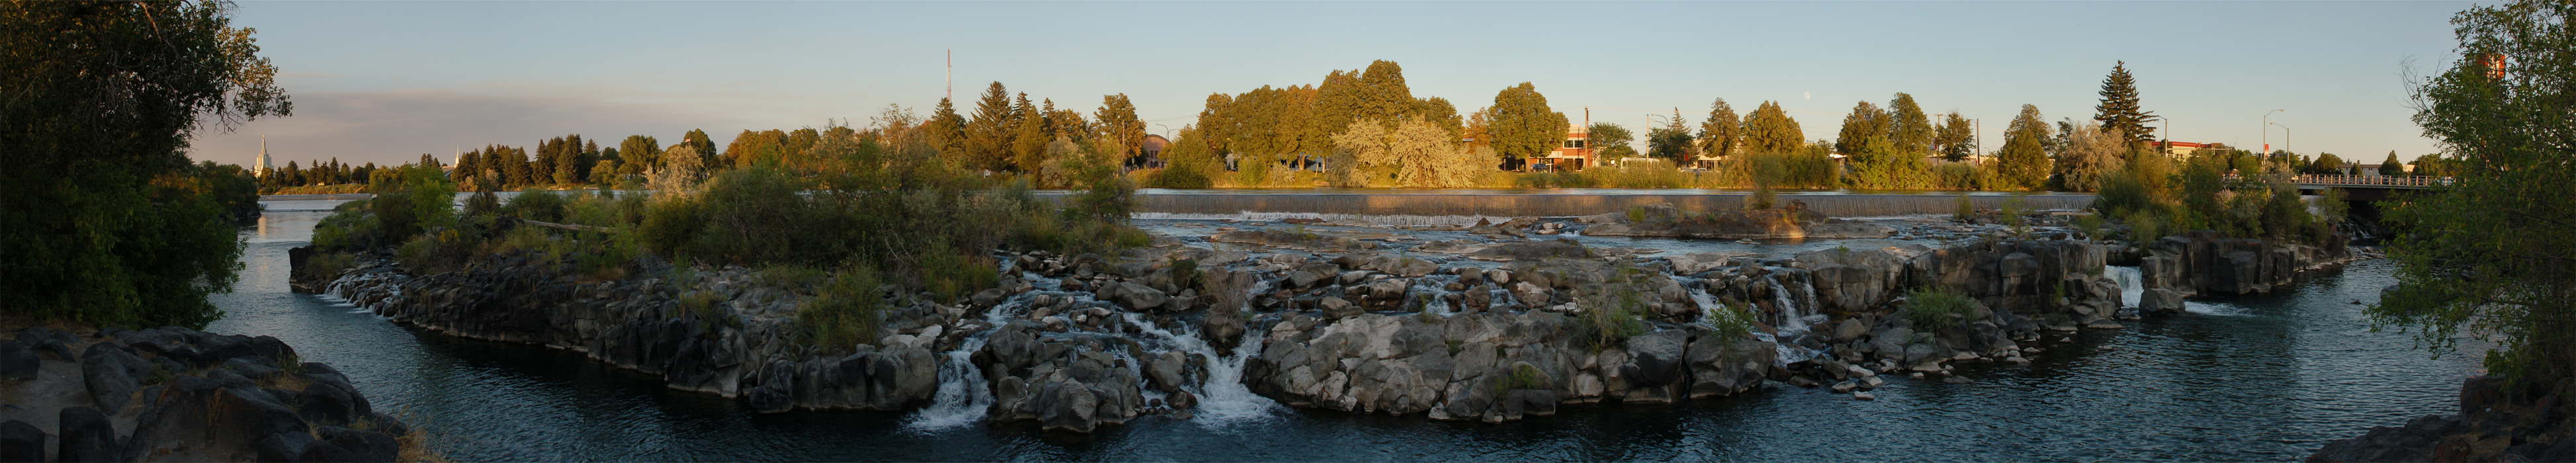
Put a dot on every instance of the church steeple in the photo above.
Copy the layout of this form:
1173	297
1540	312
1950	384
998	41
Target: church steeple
260	166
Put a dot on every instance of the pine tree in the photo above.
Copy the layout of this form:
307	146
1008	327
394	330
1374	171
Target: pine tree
1908	128
1865	121
1770	130
2390	167
1029	141
989	133
1523	124
2023	162
1719	135
947	133
1955	138
2119	108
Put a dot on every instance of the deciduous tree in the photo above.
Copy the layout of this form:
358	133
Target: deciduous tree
2022	164
1523	125
1770	130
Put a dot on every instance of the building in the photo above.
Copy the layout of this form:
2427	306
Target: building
259	167
1575	153
2178	149
1149	155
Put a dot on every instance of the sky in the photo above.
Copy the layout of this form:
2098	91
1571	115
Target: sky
386	82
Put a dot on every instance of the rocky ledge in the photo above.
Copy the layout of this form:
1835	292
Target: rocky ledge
176	394
2206	262
2497	421
1507	330
1792	221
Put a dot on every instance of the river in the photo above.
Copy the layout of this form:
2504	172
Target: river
2254	378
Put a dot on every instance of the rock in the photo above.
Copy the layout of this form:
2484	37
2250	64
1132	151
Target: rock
20	441
989	297
112	375
1694	263
1864	395
1849	330
17	362
281	447
1134	296
346	445
87	435
1335	308
1165	371
323	403
1845	386
2160	301
1655	359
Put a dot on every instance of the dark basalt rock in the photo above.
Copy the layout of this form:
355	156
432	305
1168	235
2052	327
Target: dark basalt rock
87	435
21	442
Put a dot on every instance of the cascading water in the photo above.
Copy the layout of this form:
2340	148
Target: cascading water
1223	398
1793	318
2131	286
1393	220
963	397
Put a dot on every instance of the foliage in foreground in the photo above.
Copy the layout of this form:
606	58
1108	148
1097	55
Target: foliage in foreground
102	217
2490	255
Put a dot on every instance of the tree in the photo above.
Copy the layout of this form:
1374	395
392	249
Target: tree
1028	138
2390	167
1865	121
2119	108
2023	162
641	150
1440	113
1384	96
990	132
1415	153
2468	255
1721	133
1908	128
1672	141
1770	130
1523	125
102	217
700	143
1610	141
2091	153
1116	121
946	132
1955	139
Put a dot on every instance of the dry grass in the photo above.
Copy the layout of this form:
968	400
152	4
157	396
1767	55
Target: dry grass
415	447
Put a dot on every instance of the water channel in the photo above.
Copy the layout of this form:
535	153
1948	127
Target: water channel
2254	378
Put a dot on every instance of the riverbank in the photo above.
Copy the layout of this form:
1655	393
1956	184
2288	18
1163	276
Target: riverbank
173	394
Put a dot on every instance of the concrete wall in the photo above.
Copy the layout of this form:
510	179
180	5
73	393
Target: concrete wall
1567	205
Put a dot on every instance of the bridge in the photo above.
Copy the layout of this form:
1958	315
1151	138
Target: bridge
2364	187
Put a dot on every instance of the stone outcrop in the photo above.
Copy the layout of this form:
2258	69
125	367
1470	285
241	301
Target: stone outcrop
176	394
2496	422
1792	221
2206	262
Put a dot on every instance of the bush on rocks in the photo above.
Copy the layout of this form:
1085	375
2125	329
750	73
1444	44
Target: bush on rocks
846	311
1938	309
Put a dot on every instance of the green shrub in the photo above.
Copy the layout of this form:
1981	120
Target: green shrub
1522	376
418	255
538	205
1932	308
1728	319
1611	310
950	274
790	276
323	266
1967	210
669	226
846	311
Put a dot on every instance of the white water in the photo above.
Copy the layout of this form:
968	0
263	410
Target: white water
2131	287
1792	319
1382	220
1787	352
964	397
1223	399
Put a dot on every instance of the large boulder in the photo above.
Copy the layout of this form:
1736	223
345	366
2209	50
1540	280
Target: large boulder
20	441
87	435
112	375
2159	301
1726	364
1656	359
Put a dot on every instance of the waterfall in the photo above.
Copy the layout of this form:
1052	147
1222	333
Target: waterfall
2131	288
1223	398
964	396
1792	319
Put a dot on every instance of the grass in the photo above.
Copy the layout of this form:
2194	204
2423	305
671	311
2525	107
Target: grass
1932	308
327	265
1728	319
848	311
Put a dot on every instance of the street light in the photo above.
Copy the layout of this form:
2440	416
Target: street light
2285	136
2267	131
1167	130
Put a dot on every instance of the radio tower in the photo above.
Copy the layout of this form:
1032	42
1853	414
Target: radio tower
951	78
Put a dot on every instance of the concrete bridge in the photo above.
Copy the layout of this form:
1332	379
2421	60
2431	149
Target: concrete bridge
2368	187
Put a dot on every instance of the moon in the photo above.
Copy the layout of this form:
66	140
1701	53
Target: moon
1807	95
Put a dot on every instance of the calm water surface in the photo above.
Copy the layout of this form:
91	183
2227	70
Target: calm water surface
2256	378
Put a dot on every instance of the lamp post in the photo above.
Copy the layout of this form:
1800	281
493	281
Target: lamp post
2267	131
2285	136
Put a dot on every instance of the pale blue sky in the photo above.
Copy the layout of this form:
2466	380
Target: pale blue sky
388	81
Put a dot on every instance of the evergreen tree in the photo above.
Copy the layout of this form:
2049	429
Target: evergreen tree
1770	130
1029	140
947	133
2390	167
1523	125
2119	108
468	166
1721	133
990	132
1865	121
2023	162
1672	141
1908	128
1955	138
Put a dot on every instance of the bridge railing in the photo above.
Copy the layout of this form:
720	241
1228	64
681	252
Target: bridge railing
2365	180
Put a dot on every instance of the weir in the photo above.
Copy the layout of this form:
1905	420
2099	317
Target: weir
1566	204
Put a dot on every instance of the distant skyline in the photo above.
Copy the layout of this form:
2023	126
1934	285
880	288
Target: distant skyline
385	82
